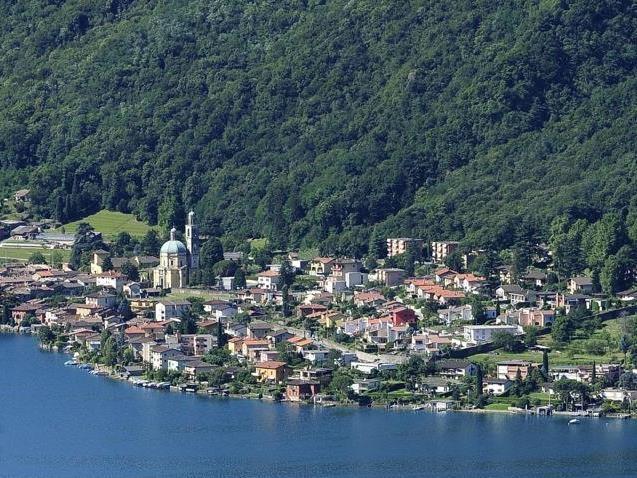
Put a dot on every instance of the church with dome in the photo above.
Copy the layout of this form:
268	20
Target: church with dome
177	260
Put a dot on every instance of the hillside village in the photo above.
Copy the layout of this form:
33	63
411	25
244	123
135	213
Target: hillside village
421	326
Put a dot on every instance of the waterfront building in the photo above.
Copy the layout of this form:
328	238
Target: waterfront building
272	371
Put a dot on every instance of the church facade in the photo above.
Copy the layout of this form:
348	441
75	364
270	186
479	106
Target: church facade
176	260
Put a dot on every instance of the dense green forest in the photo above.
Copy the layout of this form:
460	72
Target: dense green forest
325	123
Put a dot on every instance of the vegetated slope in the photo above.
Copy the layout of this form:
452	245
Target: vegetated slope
319	122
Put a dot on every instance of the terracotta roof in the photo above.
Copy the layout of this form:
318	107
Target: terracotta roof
152	325
303	343
323	260
134	330
420	282
450	294
268	273
256	342
271	365
111	274
26	307
369	296
313	306
444	271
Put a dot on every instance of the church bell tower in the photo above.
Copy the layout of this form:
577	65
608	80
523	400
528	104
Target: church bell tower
192	242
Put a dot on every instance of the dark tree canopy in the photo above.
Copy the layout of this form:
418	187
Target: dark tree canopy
327	124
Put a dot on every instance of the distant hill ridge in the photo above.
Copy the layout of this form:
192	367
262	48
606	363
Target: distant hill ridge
323	123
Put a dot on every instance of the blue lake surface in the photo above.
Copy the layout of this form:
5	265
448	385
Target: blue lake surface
58	421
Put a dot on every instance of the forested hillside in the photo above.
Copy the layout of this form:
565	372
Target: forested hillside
324	122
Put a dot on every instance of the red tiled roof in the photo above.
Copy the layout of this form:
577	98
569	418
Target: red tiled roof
271	365
444	271
323	260
152	325
134	330
268	273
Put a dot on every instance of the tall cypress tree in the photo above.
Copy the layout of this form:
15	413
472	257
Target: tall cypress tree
479	380
59	208
221	337
545	364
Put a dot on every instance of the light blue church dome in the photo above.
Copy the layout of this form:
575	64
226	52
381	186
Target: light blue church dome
173	246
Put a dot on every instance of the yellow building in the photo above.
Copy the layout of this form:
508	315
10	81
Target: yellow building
271	371
172	270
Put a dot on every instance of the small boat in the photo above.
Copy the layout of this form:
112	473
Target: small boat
329	405
418	407
70	363
573	421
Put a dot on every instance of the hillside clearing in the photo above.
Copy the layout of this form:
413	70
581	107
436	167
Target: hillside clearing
111	223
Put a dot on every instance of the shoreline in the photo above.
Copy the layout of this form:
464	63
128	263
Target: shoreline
109	373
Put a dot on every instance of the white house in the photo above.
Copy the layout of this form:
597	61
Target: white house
619	395
192	344
580	284
354	326
160	354
368	367
316	357
568	372
455	368
430	342
169	309
176	363
515	294
227	283
496	386
220	309
480	334
94	344
366	385
101	299
462	313
334	284
110	280
269	280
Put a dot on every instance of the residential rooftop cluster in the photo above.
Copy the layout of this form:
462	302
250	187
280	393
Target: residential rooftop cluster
324	329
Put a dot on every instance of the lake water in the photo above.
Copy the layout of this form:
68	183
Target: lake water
58	421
